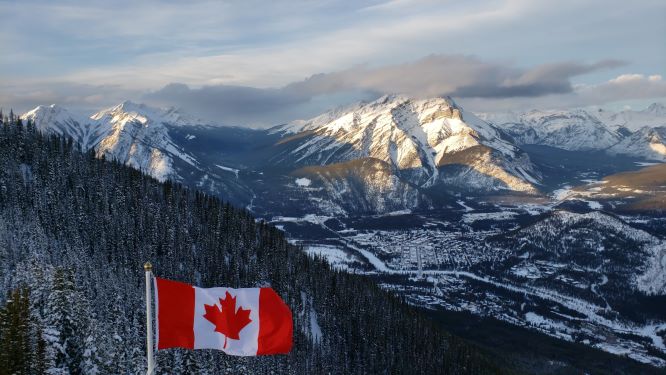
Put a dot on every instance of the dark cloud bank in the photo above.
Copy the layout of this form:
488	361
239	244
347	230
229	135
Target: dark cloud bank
478	85
456	76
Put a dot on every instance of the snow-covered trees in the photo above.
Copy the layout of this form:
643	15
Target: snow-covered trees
75	231
16	349
71	335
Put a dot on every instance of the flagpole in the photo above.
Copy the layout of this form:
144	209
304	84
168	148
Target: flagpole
149	320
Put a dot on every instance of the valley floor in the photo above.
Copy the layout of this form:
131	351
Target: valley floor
494	261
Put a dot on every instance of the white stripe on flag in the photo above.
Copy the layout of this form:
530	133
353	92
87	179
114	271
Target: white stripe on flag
205	336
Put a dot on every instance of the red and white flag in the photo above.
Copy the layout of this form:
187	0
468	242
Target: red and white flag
247	322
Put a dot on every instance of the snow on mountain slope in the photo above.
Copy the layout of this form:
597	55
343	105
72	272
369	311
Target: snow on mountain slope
631	133
59	120
573	130
414	137
648	143
139	138
651	276
602	245
653	116
134	134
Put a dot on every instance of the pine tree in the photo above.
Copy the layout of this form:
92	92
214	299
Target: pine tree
39	364
64	336
16	351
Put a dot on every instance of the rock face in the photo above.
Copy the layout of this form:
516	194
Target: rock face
365	185
415	139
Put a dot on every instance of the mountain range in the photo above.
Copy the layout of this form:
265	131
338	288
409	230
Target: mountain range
631	133
391	154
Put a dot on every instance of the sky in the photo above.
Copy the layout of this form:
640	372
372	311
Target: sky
261	63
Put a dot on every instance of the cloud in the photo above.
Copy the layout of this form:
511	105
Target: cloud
621	89
79	97
457	76
477	84
541	80
227	104
243	105
141	45
148	44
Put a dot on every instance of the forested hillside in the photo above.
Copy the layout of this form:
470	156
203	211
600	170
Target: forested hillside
75	231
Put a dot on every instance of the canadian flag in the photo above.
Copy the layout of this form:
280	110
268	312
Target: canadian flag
247	322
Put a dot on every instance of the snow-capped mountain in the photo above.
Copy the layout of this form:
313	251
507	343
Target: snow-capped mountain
137	136
387	155
58	120
647	142
134	134
631	133
391	154
653	116
416	139
574	130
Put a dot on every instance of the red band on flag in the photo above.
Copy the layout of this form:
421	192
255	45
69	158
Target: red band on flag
175	314
276	328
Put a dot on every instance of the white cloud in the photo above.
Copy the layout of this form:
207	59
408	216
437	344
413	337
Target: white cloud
626	78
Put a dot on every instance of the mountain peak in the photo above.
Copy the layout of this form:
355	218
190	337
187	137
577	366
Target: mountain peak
402	98
46	108
414	137
656	109
129	111
130	106
48	113
391	98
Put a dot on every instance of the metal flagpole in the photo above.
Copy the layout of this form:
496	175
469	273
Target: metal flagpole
149	319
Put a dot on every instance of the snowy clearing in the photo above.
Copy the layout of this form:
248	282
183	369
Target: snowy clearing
303	182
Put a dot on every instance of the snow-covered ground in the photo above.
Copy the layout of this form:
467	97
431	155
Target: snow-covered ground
337	257
448	254
303	182
229	169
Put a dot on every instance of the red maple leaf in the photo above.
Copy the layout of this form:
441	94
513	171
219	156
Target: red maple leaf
228	321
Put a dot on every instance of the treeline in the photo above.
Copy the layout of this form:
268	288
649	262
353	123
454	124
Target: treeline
75	231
